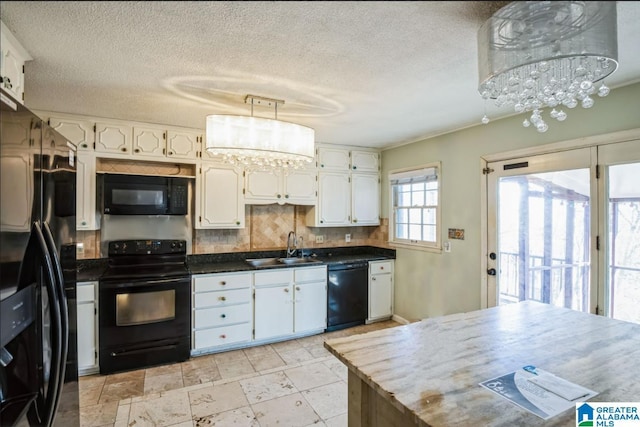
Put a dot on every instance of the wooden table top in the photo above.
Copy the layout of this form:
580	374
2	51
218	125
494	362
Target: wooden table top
432	369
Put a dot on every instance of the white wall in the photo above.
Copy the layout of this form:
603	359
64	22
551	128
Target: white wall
430	284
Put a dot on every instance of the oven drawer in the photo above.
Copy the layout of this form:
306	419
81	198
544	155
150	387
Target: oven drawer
219	316
222	335
220	282
221	298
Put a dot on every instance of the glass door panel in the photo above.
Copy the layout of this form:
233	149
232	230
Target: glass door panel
621	226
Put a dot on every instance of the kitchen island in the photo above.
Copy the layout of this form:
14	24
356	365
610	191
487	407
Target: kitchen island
428	373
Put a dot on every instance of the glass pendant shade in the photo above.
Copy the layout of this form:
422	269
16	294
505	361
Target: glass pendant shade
258	142
537	54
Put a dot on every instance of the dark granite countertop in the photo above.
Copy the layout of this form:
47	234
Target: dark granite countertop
92	269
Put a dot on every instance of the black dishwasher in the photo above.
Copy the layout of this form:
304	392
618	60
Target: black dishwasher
347	295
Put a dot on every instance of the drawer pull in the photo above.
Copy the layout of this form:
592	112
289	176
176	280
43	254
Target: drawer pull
381	268
223	336
222	298
297	288
223	315
286	289
223	283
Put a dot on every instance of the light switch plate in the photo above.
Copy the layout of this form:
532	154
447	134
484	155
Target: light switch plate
347	237
319	239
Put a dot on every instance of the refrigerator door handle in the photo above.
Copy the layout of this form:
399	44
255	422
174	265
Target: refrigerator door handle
64	309
56	328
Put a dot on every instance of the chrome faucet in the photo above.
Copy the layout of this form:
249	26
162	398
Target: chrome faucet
290	250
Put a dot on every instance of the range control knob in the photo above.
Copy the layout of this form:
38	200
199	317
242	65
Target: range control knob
173	245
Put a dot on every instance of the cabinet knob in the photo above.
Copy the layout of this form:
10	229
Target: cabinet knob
222	298
322	165
84	222
286	289
171	153
223	283
137	150
321	221
381	268
297	288
354	168
123	149
83	145
286	196
373	278
223	315
279	196
223	336
237	222
355	220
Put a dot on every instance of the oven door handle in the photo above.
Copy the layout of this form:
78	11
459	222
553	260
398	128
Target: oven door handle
143	350
137	283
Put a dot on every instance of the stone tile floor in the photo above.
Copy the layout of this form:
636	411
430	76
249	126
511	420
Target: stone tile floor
290	383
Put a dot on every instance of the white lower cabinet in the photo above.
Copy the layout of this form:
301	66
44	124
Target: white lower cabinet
222	310
310	299
380	290
274	303
87	328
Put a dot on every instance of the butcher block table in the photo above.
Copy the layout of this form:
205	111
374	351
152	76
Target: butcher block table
428	373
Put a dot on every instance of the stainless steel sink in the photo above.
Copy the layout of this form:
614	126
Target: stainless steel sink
295	261
274	262
263	262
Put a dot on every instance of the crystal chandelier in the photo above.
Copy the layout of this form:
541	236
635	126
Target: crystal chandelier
547	54
259	143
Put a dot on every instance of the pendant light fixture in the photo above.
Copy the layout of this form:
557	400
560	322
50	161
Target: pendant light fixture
260	143
534	55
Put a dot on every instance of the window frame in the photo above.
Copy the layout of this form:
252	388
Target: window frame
430	246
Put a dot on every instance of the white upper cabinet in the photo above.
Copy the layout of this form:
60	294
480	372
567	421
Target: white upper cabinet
149	141
12	64
333	159
78	131
16	190
183	145
86	191
293	187
365	161
365	199
113	138
219	200
334	201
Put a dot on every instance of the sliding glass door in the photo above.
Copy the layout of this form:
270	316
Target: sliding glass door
564	229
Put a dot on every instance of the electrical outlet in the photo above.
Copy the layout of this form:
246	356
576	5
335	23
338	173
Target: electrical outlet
347	237
319	239
79	248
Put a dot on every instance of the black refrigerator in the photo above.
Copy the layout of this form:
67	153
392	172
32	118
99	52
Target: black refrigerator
38	321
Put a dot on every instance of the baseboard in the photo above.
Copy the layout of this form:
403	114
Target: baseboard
400	319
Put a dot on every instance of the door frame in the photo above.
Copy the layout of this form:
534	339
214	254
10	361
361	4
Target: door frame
589	141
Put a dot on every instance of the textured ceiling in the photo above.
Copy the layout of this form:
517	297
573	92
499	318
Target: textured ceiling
362	73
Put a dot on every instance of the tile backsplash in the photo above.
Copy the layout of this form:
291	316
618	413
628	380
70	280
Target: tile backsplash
267	227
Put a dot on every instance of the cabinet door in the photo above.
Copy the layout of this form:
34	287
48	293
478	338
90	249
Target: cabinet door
365	202
263	187
113	138
149	142
86	325
380	292
334	199
333	159
80	132
299	187
12	68
219	197
16	190
183	145
86	191
310	306
364	161
273	312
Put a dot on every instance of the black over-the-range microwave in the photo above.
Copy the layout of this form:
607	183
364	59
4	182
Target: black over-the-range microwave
144	195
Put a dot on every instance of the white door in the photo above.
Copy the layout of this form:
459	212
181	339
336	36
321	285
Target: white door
263	186
540	230
220	203
380	288
334	199
620	223
365	199
86	191
112	138
149	141
183	145
299	187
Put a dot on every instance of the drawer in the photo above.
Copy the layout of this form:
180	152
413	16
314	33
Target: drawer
379	267
221	298
221	336
310	274
275	277
86	292
220	316
218	282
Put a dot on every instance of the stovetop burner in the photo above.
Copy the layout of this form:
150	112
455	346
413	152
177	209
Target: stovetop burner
148	259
